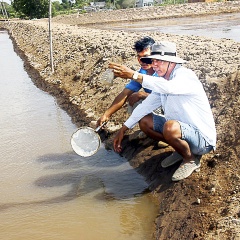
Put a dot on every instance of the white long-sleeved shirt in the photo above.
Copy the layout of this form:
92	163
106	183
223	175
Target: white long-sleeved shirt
182	99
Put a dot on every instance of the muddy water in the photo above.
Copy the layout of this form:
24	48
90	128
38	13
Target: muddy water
212	26
47	191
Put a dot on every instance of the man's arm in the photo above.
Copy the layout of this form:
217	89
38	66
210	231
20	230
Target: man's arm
184	81
150	103
118	139
135	97
115	106
124	72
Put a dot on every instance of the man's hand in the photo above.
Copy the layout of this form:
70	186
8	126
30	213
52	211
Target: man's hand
124	72
135	97
118	139
121	70
101	120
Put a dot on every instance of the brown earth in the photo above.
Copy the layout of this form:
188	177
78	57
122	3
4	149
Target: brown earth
203	206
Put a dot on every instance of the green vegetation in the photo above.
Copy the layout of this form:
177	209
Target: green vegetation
9	9
30	9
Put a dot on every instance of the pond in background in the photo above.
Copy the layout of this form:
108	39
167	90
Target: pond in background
47	191
212	26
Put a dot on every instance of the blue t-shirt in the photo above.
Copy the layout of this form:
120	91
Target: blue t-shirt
135	86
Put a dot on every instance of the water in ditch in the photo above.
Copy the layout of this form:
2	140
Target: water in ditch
47	191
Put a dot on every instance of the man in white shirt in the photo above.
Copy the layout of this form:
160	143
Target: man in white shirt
187	125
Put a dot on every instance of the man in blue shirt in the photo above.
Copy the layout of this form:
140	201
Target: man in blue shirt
131	91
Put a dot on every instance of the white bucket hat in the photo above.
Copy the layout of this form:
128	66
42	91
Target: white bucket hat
165	51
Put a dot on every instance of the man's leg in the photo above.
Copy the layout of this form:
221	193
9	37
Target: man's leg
172	133
190	143
154	125
146	125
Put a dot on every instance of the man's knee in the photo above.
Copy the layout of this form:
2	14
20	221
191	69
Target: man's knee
171	130
145	123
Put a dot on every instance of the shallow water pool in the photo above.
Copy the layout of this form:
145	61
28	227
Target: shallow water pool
212	26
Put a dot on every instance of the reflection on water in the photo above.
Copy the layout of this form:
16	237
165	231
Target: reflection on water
213	26
49	192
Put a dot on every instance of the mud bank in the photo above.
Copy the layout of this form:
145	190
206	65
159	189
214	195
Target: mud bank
203	206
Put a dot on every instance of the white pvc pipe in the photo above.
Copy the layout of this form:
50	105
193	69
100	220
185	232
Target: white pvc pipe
50	36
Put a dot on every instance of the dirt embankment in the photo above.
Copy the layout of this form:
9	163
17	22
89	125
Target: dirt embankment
203	206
